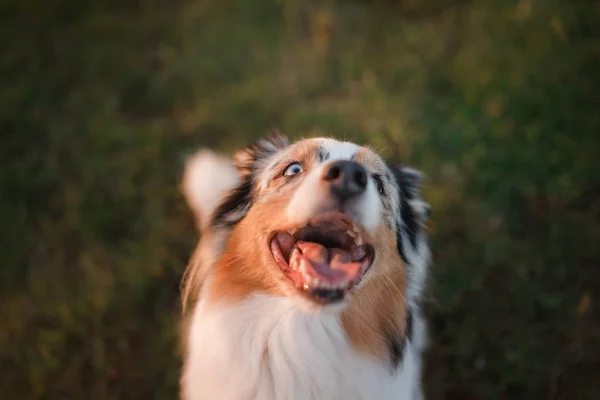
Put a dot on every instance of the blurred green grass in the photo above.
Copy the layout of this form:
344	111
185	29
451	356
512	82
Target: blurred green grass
100	102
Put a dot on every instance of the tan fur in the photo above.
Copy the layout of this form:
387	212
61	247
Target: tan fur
247	265
235	246
202	260
366	156
378	308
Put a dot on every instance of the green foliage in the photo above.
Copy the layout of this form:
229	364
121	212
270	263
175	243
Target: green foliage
101	102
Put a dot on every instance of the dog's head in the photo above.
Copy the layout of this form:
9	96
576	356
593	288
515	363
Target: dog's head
320	221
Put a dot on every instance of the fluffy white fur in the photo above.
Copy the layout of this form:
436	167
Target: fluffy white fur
307	357
268	348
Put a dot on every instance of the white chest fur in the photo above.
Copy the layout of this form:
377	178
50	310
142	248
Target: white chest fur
265	348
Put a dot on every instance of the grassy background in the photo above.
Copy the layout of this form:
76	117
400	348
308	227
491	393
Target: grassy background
100	102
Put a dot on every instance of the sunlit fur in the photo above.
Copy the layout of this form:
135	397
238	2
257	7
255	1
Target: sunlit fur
250	334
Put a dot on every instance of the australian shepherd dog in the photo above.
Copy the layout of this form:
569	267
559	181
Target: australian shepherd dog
307	279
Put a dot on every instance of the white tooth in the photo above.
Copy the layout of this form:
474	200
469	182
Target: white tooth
306	286
303	271
359	240
351	233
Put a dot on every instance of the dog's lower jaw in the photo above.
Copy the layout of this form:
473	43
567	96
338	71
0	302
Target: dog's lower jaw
266	348
311	307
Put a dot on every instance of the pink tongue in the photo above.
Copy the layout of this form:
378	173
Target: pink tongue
330	265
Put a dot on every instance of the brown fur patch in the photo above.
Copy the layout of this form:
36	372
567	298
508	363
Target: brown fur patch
305	153
368	158
378	309
247	265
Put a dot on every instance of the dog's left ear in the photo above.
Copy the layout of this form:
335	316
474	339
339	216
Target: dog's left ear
254	157
410	182
414	212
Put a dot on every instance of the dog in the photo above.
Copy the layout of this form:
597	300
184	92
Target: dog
307	279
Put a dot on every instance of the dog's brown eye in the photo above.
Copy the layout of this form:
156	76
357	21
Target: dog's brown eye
293	169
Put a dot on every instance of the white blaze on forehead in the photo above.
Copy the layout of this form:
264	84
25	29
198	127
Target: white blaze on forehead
312	197
337	150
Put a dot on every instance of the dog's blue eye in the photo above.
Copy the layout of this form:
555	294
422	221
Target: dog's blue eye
293	169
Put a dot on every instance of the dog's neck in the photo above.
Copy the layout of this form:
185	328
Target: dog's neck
265	347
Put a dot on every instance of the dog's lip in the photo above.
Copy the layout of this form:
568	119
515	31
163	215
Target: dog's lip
343	221
349	259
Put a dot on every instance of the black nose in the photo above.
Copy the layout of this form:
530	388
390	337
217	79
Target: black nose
347	179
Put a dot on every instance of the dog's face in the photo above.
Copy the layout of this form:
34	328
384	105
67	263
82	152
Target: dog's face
317	221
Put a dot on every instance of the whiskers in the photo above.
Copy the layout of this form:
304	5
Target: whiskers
392	285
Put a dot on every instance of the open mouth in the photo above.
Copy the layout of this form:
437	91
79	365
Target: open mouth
325	258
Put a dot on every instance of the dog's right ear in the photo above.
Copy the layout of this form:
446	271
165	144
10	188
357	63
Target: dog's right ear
218	189
249	163
207	179
253	158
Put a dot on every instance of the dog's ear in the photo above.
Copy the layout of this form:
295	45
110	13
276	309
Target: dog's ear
207	178
254	157
414	211
410	182
248	162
